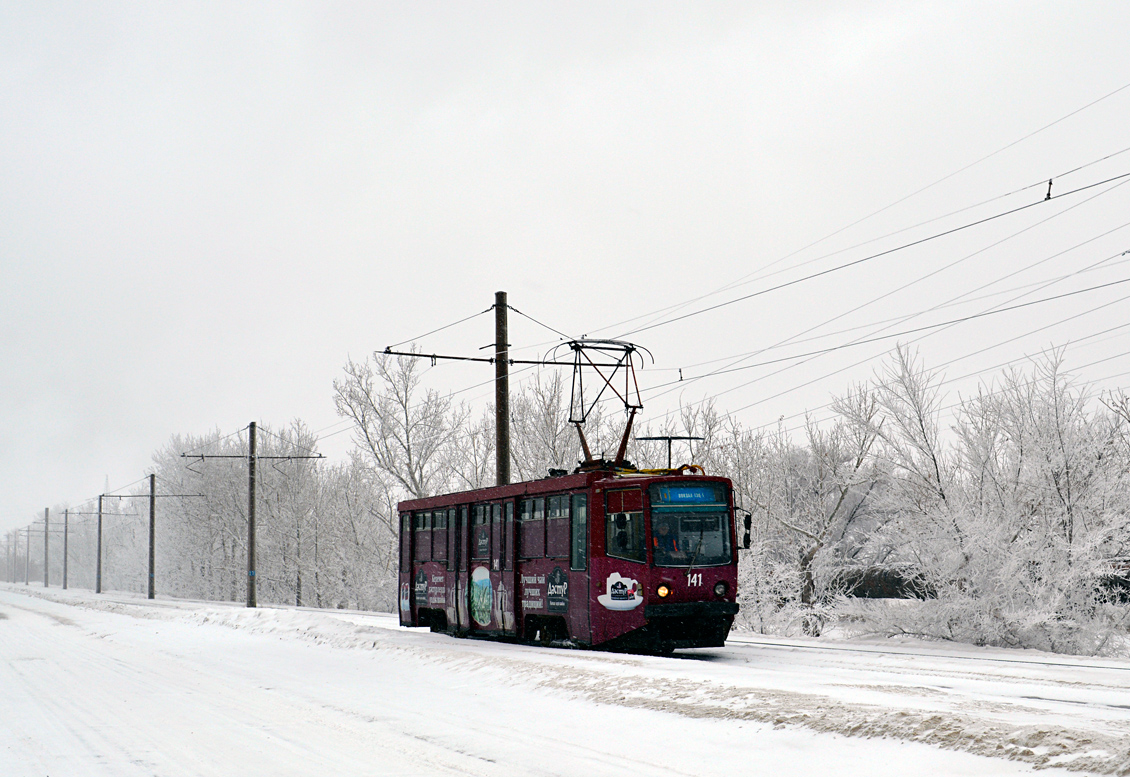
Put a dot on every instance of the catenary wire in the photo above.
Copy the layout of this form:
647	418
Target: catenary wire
440	329
1070	343
966	376
951	322
944	178
864	259
966	356
749	277
934	272
954	302
807	262
1040	183
871	358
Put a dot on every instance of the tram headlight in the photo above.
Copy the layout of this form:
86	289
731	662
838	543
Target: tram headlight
663	591
720	588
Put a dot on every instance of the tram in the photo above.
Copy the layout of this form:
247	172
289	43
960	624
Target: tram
607	557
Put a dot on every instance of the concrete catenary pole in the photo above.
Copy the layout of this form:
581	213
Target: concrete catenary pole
152	524
251	516
501	391
46	534
66	530
98	565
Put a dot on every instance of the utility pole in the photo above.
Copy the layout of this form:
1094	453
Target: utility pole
46	515
66	529
27	557
501	391
152	521
252	462
98	567
152	524
251	601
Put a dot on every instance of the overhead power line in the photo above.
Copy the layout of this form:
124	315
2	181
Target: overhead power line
743	279
440	329
546	326
928	327
848	226
794	338
920	278
952	361
869	258
953	302
968	375
870	358
1041	183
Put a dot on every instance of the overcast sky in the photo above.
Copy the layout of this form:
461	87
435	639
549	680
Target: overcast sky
207	208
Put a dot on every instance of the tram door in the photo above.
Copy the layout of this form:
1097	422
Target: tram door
481	583
497	585
462	574
509	571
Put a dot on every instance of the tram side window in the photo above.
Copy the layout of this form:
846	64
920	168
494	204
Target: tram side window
405	541
624	531
580	540
423	536
462	536
439	535
532	527
496	536
452	538
557	527
508	560
480	532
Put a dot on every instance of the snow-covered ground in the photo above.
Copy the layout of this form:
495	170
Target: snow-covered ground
115	685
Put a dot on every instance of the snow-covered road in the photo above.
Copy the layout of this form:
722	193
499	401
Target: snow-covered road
115	685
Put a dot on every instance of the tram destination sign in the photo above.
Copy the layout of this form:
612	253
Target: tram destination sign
687	495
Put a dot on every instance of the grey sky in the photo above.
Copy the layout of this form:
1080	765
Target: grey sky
205	208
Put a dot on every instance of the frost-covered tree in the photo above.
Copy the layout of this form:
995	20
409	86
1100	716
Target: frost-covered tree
403	429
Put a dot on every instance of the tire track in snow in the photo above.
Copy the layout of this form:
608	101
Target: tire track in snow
732	689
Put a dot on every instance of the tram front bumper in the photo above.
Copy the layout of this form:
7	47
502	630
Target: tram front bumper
690	609
690	624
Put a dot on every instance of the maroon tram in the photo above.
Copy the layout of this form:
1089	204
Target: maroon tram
621	559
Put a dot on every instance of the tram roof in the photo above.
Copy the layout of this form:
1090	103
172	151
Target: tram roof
550	485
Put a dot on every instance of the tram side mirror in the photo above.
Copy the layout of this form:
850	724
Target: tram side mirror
748	527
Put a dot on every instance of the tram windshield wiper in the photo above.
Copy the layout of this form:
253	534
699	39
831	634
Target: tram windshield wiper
694	556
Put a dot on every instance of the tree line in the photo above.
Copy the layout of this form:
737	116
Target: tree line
1008	526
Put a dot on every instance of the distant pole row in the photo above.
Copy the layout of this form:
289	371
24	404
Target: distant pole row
252	462
12	554
13	543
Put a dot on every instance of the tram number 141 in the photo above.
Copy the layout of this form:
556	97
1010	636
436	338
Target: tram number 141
694	578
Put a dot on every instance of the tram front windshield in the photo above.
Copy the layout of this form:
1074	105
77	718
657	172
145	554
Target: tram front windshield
690	524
